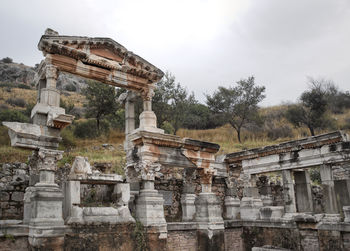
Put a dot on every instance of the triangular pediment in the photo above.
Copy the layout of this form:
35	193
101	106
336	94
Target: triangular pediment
99	51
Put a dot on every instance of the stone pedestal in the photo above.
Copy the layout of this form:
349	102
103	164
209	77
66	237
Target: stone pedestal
208	211
46	225
250	204
232	208
149	207
188	206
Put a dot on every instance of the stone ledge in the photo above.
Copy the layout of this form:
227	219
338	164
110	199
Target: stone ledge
181	226
13	229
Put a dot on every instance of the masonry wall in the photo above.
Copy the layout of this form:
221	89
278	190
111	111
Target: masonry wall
182	240
14	179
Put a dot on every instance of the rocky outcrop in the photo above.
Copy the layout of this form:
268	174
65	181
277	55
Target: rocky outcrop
16	73
22	74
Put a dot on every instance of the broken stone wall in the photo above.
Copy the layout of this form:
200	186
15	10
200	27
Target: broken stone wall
14	179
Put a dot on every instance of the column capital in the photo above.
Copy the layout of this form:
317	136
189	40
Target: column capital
47	159
51	71
147	93
147	169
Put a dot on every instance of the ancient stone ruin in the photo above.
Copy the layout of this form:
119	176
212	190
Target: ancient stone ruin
177	194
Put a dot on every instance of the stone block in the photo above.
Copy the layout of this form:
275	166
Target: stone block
122	190
17	196
250	208
188	206
346	210
208	208
271	212
232	208
4	196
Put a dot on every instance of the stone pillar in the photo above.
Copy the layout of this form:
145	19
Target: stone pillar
46	225
148	119
251	201
288	192
303	191
50	95
188	198
72	212
129	113
329	198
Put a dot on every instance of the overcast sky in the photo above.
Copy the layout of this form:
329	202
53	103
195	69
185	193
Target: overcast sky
203	43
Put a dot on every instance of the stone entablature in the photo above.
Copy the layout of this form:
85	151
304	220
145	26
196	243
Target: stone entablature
102	59
312	151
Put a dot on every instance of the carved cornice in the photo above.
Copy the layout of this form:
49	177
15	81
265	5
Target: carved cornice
79	48
287	147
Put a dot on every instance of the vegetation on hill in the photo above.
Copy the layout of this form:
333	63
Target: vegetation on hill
97	131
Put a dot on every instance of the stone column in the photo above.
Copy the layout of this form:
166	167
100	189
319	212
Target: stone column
329	198
129	113
288	192
303	191
48	105
50	95
46	224
148	119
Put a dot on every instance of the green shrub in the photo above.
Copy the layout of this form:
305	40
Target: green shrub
88	129
284	131
167	127
315	175
4	137
68	139
23	86
13	116
16	102
71	88
7	60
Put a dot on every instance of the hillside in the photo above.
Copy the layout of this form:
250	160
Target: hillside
14	74
17	93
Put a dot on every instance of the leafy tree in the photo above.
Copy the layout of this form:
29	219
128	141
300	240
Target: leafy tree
7	60
101	101
171	102
237	105
311	110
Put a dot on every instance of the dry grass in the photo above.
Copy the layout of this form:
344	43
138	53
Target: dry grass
10	154
96	153
30	96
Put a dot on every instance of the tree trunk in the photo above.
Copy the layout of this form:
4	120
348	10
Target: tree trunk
239	135
312	131
98	124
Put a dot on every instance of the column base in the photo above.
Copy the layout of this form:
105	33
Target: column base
250	208
208	210
149	208
232	208
188	206
148	122
46	225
